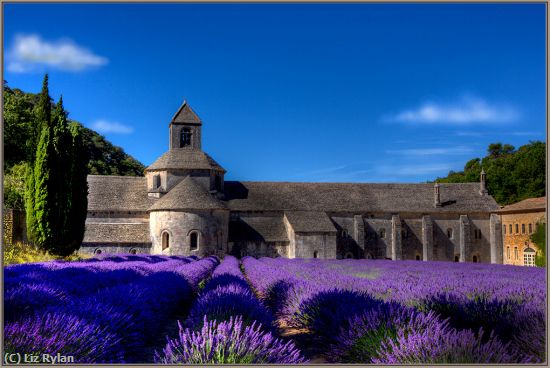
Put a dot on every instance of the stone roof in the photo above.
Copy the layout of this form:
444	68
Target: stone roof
118	193
187	195
186	115
268	229
529	204
185	158
310	222
116	233
355	197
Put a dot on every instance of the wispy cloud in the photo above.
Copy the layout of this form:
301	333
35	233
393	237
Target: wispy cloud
432	151
31	52
464	111
412	170
469	134
525	134
105	126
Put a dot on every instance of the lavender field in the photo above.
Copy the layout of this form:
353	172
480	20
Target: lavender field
174	310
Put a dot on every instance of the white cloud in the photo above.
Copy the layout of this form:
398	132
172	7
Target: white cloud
524	134
413	170
469	134
105	126
30	52
432	151
465	111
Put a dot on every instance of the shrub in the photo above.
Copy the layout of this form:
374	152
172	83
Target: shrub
228	342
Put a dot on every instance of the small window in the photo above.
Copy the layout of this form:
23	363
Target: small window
418	257
194	241
133	251
349	255
508	252
382	233
315	254
156	181
530	228
218	183
344	233
457	258
165	240
185	137
517	229
475	259
477	234
97	251
449	233
504	229
523	228
516	253
510	228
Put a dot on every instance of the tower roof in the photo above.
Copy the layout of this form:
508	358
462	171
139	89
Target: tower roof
187	195
185	158
185	115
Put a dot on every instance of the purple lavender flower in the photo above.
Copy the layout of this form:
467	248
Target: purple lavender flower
228	342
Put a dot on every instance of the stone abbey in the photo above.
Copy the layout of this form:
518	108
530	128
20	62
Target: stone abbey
183	206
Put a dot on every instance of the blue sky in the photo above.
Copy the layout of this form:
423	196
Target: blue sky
294	92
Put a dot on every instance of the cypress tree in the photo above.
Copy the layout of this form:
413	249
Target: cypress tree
56	187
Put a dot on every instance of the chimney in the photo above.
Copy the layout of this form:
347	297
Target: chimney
482	183
437	195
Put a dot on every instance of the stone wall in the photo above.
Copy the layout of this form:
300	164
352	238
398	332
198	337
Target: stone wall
212	227
14	226
114	248
520	240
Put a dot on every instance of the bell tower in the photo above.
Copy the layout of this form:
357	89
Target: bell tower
185	129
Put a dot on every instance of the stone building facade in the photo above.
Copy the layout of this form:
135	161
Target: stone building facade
184	206
519	222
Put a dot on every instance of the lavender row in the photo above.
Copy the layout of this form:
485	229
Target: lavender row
329	298
228	324
114	324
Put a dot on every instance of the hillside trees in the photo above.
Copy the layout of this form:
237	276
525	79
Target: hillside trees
512	175
56	187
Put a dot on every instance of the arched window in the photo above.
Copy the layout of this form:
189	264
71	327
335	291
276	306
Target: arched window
530	228
382	233
457	258
516	253
517	228
349	255
194	240
417	257
449	233
185	137
315	254
474	259
133	251
97	251
165	240
510	228
508	252
529	257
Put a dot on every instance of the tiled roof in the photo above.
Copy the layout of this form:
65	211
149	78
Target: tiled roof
116	233
118	193
310	221
187	195
268	229
528	204
185	158
355	197
186	115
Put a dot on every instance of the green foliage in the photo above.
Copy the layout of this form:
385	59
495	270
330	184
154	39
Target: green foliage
24	117
539	238
14	186
57	188
512	175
